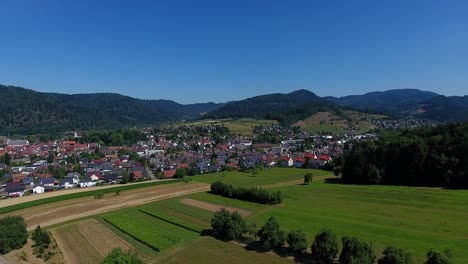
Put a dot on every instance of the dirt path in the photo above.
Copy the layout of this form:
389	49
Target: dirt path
59	212
214	207
18	200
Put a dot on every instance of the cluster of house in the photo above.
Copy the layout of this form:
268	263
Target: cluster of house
25	176
30	172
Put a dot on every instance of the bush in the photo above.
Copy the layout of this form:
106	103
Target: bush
40	237
393	255
308	178
13	233
297	241
325	247
434	257
228	226
253	194
355	251
270	234
118	256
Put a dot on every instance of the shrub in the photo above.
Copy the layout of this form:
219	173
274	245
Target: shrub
13	233
228	226
253	194
270	234
325	247
297	241
40	237
118	256
355	251
393	255
434	257
308	178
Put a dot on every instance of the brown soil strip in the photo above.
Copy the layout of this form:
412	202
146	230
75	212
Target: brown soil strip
214	207
59	212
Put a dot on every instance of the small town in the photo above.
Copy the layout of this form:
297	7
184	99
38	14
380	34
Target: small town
28	168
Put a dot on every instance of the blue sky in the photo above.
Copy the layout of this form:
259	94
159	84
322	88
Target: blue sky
199	51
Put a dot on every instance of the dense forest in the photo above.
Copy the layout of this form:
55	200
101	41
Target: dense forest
28	112
421	157
286	108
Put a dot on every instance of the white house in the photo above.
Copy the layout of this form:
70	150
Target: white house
38	189
87	182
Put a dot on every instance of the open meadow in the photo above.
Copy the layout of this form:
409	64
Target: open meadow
167	230
241	126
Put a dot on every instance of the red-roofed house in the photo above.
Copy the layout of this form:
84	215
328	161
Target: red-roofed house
169	173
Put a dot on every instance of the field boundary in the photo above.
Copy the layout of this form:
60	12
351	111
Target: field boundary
170	221
132	236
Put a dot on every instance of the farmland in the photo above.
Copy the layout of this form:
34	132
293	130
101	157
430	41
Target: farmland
241	126
264	178
416	219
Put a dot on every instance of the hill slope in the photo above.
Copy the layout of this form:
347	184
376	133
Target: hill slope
397	102
25	111
286	108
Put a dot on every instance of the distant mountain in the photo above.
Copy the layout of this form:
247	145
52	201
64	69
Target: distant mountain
410	103
286	108
445	109
24	111
398	102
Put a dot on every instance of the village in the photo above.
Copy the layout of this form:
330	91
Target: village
28	168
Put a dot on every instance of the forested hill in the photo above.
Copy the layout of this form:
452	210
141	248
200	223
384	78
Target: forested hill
410	103
24	111
286	108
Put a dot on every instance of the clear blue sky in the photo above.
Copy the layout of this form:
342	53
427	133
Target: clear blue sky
220	50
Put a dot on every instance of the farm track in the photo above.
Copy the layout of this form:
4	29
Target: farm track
59	212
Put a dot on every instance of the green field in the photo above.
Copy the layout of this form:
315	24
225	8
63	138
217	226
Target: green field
416	219
241	126
264	178
153	232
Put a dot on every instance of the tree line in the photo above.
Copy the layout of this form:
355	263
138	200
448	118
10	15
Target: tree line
420	157
253	194
324	249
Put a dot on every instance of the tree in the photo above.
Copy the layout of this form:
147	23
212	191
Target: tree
228	226
325	247
308	178
13	233
393	255
434	257
355	251
180	173
40	237
297	241
118	256
270	234
255	171
50	158
125	177
7	159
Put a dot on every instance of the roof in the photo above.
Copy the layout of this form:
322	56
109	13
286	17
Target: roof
47	180
169	173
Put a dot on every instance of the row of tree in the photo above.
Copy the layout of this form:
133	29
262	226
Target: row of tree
421	157
253	194
324	249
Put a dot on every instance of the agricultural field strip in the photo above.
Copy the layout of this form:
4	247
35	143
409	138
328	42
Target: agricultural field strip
143	231
24	202
53	216
172	220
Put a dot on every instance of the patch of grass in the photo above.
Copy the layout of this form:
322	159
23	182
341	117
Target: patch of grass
173	209
95	192
211	251
416	219
265	177
148	230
